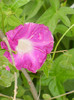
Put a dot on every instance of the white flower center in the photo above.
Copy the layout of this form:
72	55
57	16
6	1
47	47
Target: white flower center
24	46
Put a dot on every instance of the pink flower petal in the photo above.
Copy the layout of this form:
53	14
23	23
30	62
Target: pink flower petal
3	45
32	42
7	68
8	56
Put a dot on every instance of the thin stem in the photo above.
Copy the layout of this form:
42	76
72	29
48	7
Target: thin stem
10	97
32	87
10	51
61	95
15	88
60	41
6	96
60	51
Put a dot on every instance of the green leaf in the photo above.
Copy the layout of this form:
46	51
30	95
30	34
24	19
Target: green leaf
64	18
69	85
47	66
45	18
20	91
7	2
25	81
55	4
63	66
19	3
66	42
44	80
49	18
27	97
6	78
5	90
14	21
56	87
72	22
53	22
3	60
67	10
46	96
18	12
32	8
5	21
12	68
62	29
62	69
2	98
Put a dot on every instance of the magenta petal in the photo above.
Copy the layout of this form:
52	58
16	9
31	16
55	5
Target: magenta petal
42	38
7	68
8	56
23	61
12	33
32	42
3	45
18	61
37	57
32	61
41	34
19	32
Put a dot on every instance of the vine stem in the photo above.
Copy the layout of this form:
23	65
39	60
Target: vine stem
59	51
15	88
61	95
10	51
32	87
6	96
10	97
60	41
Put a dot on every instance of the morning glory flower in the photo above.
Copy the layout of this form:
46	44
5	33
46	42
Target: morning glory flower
31	43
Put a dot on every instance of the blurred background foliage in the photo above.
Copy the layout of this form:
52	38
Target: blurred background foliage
55	77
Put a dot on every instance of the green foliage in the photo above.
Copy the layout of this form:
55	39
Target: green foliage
3	60
49	18
13	21
6	78
46	96
47	65
65	65
72	22
55	4
32	8
27	97
17	3
25	81
21	91
69	85
62	69
53	14
5	99
55	77
61	29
